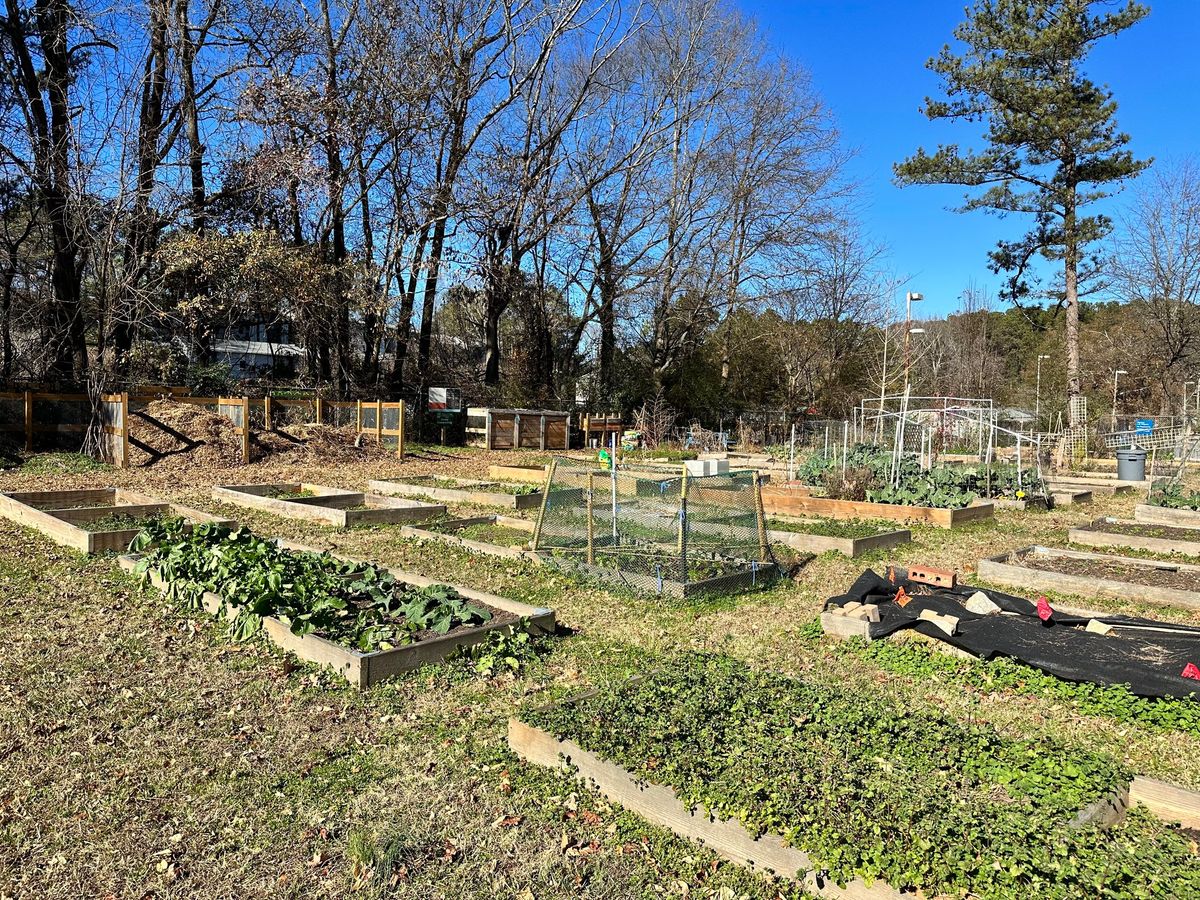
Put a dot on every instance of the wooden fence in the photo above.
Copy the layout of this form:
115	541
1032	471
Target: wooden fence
40	419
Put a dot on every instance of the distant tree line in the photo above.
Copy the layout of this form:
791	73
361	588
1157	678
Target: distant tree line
536	201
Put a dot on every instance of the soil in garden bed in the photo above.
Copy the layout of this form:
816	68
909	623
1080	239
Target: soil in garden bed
120	522
850	528
1138	529
492	534
1164	577
288	494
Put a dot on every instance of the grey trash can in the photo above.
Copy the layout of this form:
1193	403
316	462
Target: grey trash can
1131	465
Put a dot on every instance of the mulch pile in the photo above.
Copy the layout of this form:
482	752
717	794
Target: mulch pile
202	437
209	439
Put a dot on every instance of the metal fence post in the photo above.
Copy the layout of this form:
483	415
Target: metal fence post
591	522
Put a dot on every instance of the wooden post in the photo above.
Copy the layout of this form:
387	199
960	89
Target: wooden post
320	411
516	443
29	421
591	528
400	436
267	423
537	529
358	417
245	430
760	517
542	432
124	429
378	421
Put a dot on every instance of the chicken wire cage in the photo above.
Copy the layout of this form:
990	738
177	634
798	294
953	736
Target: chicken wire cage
672	535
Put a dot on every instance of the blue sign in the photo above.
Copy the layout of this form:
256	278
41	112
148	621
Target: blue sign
1144	426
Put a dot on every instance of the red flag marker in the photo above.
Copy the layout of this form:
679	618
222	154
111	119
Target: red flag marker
1190	671
1043	609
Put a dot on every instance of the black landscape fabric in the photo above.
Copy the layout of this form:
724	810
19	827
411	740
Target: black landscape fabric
1149	656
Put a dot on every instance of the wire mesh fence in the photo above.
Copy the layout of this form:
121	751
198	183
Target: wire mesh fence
678	535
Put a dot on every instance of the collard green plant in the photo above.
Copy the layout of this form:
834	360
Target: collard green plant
355	604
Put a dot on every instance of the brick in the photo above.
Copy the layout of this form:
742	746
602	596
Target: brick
934	577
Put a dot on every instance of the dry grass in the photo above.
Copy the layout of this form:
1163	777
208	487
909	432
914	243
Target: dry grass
141	755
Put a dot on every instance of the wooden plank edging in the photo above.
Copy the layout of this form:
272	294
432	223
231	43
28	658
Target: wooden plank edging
660	805
1006	569
1092	536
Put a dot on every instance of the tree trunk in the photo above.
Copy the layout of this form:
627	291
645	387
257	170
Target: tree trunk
1071	285
191	116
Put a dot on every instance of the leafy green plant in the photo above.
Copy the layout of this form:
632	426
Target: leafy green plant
871	789
355	604
868	475
504	652
1174	497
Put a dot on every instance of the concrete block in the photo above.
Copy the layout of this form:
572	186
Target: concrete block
843	627
1097	627
981	604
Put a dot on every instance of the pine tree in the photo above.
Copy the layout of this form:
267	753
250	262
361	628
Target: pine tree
1053	147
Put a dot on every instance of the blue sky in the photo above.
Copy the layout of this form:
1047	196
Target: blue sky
867	59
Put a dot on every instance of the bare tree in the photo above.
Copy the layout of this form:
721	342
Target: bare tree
1156	265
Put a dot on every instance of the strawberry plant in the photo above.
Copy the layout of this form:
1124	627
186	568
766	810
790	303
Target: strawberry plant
871	789
355	604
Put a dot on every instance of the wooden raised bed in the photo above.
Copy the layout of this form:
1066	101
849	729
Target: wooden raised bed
445	533
729	838
1013	503
466	492
1099	485
1094	536
847	546
523	474
1006	569
1070	496
365	669
60	515
1163	515
331	506
787	502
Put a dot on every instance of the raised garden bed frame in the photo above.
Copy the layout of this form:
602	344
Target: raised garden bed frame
754	574
328	505
523	474
730	839
1094	537
468	492
1006	569
1148	514
58	515
365	669
847	546
784	501
444	533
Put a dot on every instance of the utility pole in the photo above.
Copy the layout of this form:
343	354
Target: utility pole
1116	374
1037	403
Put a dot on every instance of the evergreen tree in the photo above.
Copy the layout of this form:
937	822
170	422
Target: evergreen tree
1052	143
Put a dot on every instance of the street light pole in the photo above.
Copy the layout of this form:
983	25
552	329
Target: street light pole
1037	402
909	297
1116	374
